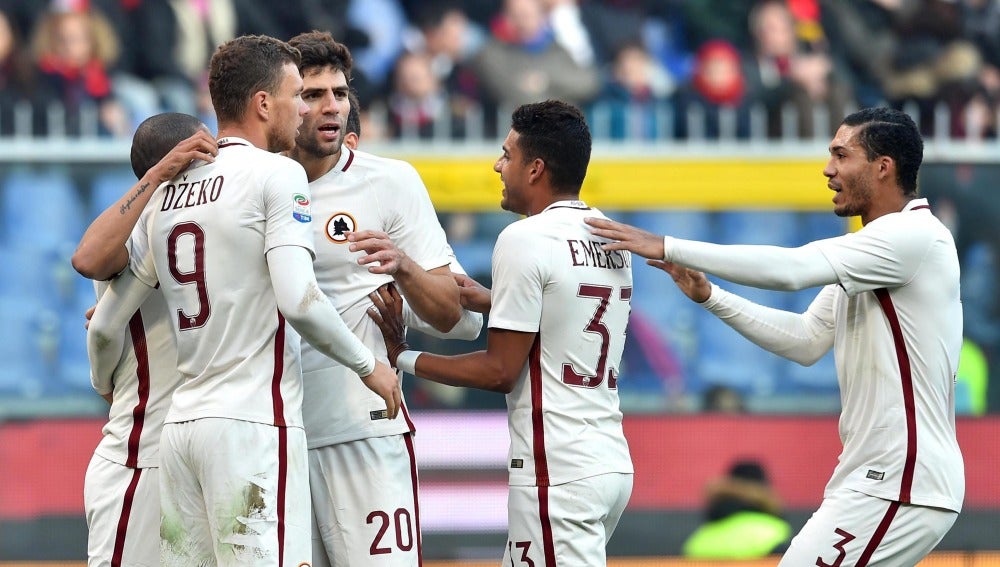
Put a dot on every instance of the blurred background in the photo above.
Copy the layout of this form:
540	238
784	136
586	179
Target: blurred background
711	120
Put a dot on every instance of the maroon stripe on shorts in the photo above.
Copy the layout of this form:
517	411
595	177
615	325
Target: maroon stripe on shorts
279	368
408	438
879	535
548	546
537	418
116	555
138	334
906	379
282	488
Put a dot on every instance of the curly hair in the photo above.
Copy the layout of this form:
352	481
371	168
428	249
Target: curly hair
557	133
320	50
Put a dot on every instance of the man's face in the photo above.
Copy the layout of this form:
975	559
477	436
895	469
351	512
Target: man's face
287	111
514	176
325	92
850	174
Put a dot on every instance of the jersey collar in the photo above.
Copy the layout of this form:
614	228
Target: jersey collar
575	204
916	204
233	141
346	159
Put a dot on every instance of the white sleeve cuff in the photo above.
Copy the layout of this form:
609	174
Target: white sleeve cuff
407	361
668	244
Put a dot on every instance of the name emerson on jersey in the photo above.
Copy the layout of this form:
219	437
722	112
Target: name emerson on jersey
589	253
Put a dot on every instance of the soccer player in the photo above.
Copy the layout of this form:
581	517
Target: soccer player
374	224
890	309
558	314
121	486
230	245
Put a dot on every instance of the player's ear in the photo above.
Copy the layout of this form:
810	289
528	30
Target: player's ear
260	103
537	170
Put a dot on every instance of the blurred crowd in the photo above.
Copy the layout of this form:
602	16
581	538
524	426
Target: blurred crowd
641	68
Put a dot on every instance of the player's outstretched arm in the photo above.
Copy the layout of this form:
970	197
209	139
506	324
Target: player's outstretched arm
432	294
101	252
310	312
496	369
107	328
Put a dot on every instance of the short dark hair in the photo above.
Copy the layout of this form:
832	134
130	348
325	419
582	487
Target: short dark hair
243	66
557	133
318	49
354	116
892	133
157	135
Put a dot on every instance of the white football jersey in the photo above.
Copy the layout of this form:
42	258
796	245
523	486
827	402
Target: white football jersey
362	192
144	380
203	238
899	277
550	276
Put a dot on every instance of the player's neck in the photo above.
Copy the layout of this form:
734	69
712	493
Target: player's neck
315	166
258	139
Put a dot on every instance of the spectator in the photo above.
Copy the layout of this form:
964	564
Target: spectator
522	62
722	399
716	93
17	80
635	96
742	517
418	104
383	23
73	51
593	31
442	30
783	73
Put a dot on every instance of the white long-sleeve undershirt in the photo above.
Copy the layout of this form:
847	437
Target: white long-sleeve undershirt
310	312
801	337
765	267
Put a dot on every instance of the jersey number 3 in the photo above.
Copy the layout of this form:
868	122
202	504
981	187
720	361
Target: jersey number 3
596	325
196	276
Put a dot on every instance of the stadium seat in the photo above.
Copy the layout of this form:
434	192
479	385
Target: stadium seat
74	367
820	225
821	377
41	210
476	257
655	296
779	228
726	358
107	187
27	347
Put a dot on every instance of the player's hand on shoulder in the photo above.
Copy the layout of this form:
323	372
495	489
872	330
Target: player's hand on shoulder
474	295
387	313
378	248
627	237
199	146
384	382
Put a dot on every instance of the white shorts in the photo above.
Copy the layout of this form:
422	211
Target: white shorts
123	514
365	507
233	493
851	528
568	524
